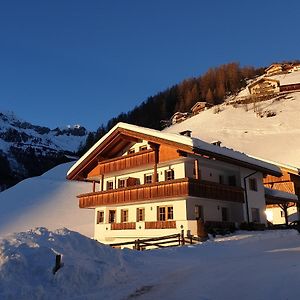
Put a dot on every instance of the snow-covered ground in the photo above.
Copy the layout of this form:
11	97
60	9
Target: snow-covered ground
247	265
274	138
48	200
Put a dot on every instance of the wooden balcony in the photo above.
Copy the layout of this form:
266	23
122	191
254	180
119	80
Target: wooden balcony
122	226
160	225
162	190
124	162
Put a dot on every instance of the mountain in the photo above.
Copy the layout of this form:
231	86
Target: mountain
267	129
48	200
29	150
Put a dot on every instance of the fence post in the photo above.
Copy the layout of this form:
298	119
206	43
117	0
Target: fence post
138	245
182	238
179	239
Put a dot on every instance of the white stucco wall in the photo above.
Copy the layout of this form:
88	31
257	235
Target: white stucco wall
275	215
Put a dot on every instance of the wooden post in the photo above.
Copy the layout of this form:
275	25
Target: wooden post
196	166
182	238
94	186
102	182
179	239
155	147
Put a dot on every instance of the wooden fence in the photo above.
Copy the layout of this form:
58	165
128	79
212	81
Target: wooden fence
172	240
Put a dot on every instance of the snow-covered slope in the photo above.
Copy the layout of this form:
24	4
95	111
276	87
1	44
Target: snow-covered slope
48	200
247	265
275	138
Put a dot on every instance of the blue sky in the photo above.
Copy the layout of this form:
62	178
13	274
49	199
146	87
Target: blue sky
68	62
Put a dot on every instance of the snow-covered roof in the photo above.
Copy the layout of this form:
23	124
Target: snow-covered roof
293	169
194	143
289	78
280	194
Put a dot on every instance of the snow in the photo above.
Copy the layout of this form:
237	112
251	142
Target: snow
274	138
280	194
48	200
289	78
192	142
246	265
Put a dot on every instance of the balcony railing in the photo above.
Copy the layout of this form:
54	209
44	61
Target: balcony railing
124	162
122	226
160	225
163	190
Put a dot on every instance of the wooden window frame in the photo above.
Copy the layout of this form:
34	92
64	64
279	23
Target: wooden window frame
140	217
143	148
147	181
167	209
256	214
109	216
167	172
130	151
124	215
199	212
100	217
122	180
253	184
108	183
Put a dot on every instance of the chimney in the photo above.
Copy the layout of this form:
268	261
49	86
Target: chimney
186	133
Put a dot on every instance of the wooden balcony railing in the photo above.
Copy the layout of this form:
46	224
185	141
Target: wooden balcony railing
160	225
162	190
126	162
122	226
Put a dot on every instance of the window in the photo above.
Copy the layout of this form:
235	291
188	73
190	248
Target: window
148	178
124	215
122	183
130	151
143	148
255	215
140	214
169	174
112	216
224	214
100	217
232	180
109	185
170	212
199	212
252	184
221	179
165	213
282	214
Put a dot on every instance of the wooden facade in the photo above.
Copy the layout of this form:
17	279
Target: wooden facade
123	226
160	225
163	190
143	158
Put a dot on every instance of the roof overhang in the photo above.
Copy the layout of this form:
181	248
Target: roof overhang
123	135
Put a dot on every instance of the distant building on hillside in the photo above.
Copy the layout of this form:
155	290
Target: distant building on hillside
149	183
200	106
274	69
264	86
179	117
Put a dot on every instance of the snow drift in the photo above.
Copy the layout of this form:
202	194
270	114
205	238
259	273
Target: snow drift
48	201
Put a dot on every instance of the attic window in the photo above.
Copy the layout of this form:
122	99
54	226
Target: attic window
143	148
186	133
169	174
130	151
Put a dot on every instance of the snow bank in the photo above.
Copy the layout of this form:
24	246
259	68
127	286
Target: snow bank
246	265
48	200
27	260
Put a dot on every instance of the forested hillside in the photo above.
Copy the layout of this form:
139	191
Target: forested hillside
213	87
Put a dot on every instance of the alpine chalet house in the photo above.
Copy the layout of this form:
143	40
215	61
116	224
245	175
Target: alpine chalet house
149	183
286	187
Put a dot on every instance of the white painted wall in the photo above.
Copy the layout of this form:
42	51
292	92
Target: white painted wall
275	215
